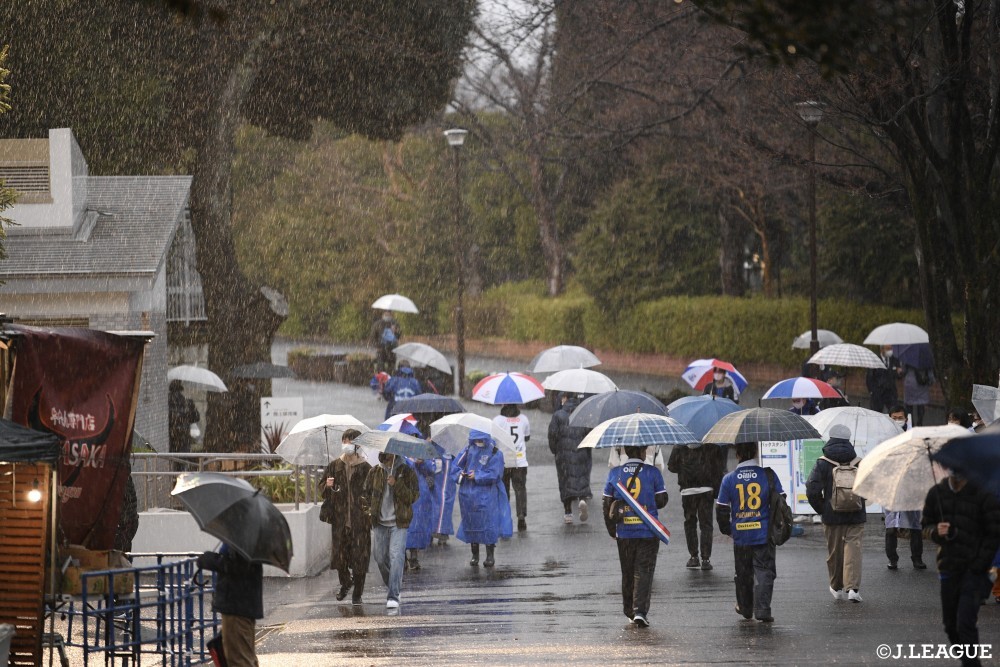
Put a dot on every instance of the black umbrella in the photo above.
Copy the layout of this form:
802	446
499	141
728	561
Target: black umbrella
977	457
261	370
428	403
760	425
602	407
236	513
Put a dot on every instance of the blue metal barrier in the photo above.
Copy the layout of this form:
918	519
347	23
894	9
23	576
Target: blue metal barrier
164	617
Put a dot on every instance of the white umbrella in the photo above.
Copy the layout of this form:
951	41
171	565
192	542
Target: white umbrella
452	431
396	302
316	441
868	428
897	333
563	357
202	378
423	355
846	354
898	473
579	381
986	400
825	337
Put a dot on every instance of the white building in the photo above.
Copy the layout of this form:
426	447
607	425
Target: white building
93	251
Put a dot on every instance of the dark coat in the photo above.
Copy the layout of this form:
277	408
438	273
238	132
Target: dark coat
974	537
404	493
819	486
699	466
347	508
239	584
881	382
181	414
573	465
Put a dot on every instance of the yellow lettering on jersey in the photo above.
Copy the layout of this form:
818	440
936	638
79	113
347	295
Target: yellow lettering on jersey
750	525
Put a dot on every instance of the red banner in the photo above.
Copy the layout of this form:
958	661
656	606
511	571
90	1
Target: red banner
80	384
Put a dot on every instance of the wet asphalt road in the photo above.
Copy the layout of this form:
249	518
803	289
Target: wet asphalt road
554	596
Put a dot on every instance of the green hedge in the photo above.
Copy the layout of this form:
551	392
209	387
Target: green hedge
738	329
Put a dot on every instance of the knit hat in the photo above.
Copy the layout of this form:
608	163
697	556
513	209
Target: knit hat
840	431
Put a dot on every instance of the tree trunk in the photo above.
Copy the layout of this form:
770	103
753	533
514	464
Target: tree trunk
241	320
731	258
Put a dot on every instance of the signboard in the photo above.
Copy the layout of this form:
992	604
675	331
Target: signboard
80	384
277	417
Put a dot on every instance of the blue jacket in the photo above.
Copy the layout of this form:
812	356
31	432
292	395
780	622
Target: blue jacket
443	497
418	536
483	501
399	387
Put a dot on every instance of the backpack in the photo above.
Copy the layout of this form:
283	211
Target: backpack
843	498
389	337
780	517
923	376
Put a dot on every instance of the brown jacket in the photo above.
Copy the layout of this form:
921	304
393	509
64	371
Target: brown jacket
404	493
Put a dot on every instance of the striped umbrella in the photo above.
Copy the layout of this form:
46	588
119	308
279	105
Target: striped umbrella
801	388
760	425
402	423
699	373
507	389
640	429
846	354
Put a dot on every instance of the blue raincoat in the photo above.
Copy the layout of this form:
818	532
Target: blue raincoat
443	496
483	501
400	387
418	536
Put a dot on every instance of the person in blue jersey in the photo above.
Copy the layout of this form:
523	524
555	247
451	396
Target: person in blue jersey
742	511
637	545
443	497
418	536
482	500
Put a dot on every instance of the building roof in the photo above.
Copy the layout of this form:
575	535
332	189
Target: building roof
130	224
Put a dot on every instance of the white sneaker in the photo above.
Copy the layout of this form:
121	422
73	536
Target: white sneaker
837	595
392	604
568	518
854	596
640	621
583	509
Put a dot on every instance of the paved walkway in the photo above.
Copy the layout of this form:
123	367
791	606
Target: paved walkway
554	596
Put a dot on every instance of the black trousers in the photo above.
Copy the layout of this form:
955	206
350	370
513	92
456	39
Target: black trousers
917	411
698	510
637	557
519	478
355	553
961	596
916	544
755	575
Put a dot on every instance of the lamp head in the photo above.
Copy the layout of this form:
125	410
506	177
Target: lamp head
455	136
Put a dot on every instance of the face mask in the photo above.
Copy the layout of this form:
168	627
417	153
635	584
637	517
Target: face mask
900	422
719	377
479	443
798	403
349	449
888	353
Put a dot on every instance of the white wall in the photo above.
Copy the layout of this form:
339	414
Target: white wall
68	187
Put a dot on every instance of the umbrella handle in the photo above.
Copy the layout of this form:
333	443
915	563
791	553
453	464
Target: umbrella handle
937	495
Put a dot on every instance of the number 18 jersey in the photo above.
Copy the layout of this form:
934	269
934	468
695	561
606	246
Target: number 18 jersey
746	491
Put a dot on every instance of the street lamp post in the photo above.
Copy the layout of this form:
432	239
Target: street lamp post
456	137
811	113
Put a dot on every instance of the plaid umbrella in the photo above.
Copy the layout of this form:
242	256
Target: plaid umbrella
846	354
760	425
639	430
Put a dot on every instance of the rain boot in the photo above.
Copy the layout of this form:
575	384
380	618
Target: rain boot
475	556
489	556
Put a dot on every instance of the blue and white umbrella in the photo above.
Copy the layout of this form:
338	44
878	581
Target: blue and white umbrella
639	430
392	442
402	423
507	389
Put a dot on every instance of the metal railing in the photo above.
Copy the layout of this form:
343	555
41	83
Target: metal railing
159	612
154	474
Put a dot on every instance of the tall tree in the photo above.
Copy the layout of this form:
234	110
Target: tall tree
369	66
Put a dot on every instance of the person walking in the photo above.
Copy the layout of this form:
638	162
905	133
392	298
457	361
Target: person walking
239	600
881	382
965	524
443	498
723	386
418	535
573	465
482	500
342	486
828	490
181	415
400	386
743	512
384	337
699	469
515	467
637	545
917	391
390	490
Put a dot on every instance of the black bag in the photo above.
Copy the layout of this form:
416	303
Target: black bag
923	376
215	650
779	521
326	511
